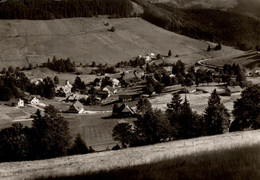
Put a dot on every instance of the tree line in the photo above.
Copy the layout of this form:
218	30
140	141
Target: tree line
14	84
49	9
160	78
179	121
60	65
48	137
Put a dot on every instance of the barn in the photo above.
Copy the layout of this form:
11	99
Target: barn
76	107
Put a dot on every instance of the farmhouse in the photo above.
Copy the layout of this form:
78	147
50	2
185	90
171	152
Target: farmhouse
128	96
234	89
76	107
124	111
115	82
36	81
110	90
76	97
257	71
31	100
16	102
64	90
102	94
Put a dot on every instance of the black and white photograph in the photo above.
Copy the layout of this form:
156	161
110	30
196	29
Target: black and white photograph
130	89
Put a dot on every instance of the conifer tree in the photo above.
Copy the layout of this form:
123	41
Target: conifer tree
175	104
169	53
79	146
216	115
56	80
50	135
143	106
173	114
247	110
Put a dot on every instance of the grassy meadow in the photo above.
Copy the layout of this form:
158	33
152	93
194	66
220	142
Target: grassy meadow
236	163
84	40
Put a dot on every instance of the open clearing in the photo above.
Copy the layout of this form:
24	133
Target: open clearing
94	127
124	158
88	39
96	130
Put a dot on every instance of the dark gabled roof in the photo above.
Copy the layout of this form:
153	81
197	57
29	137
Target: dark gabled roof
110	88
124	108
102	92
77	106
234	89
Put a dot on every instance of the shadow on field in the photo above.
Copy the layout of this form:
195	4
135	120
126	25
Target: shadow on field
235	163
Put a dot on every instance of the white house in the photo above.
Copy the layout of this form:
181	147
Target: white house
36	81
66	89
147	58
20	103
115	82
34	101
16	102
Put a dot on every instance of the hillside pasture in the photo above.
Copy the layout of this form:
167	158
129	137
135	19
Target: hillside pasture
84	40
95	126
63	77
217	147
249	59
213	165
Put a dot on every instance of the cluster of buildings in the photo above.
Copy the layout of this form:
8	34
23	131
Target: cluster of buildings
21	102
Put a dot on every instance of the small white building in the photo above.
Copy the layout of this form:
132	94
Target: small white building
20	103
36	81
65	90
115	82
16	103
34	101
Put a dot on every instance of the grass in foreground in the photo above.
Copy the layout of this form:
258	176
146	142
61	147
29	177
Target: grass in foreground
237	163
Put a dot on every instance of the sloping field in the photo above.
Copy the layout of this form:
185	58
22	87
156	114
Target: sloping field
248	59
88	39
125	158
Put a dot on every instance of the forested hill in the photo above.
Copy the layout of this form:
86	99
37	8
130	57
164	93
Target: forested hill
51	9
229	28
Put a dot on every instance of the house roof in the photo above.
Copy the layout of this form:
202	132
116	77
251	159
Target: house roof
115	80
234	89
124	108
110	88
77	106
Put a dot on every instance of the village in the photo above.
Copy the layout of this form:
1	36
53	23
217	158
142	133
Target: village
123	88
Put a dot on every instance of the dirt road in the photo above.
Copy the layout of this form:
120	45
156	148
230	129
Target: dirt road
122	158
